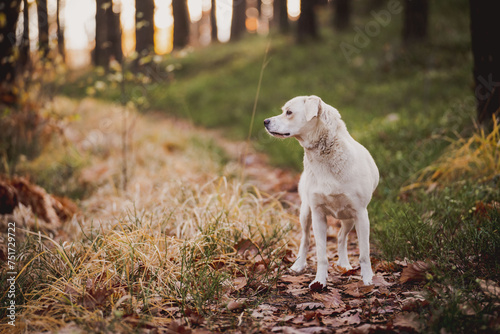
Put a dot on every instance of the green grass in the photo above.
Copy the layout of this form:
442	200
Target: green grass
403	104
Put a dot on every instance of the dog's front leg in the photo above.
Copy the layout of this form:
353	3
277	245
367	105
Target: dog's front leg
305	222
319	228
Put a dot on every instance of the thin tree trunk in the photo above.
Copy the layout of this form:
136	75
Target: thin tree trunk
181	23
238	20
43	27
213	22
307	26
416	14
24	48
102	48
7	43
60	32
144	26
486	52
280	16
115	35
341	14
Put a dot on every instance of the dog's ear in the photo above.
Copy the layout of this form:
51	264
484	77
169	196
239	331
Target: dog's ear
313	107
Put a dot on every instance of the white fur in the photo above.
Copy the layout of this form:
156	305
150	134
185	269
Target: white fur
339	178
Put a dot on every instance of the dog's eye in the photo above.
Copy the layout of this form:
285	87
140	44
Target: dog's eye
288	112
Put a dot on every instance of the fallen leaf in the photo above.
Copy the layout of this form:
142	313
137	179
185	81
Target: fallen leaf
413	304
490	288
379	280
350	272
95	296
263	310
234	305
306	330
176	328
310	306
357	289
384	291
371	328
385	266
294	279
239	283
247	248
308	315
297	291
332	299
347	318
408	322
415	272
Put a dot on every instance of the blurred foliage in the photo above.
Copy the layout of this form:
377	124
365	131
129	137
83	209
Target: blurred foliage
30	124
26	124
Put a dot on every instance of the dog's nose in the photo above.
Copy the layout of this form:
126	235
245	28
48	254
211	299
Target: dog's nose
267	121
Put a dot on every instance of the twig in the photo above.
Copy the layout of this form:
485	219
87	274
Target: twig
265	61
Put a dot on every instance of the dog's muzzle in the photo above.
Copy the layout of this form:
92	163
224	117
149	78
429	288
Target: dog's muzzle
267	122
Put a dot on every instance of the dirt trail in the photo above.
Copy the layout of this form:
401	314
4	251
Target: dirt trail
162	155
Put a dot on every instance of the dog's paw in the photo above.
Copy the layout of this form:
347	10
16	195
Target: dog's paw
367	276
317	286
298	267
345	266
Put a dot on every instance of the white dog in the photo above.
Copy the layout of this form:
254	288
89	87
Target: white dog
339	178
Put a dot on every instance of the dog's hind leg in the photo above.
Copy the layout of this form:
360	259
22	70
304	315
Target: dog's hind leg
346	227
305	222
363	230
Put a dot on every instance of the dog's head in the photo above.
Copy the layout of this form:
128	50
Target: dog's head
300	115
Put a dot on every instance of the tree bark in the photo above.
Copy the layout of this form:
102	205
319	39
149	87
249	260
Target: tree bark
416	13
43	27
213	22
341	14
102	48
24	48
144	26
60	32
181	23
486	52
11	9
115	34
238	20
307	26
280	16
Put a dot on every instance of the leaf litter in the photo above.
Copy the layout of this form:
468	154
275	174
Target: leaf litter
258	295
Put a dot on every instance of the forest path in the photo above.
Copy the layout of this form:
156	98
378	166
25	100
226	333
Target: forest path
163	156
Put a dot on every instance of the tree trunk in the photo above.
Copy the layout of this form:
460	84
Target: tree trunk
24	48
238	20
115	34
280	16
11	9
102	48
307	26
416	14
486	52
374	5
60	32
181	23
144	26
341	14
43	27
213	22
